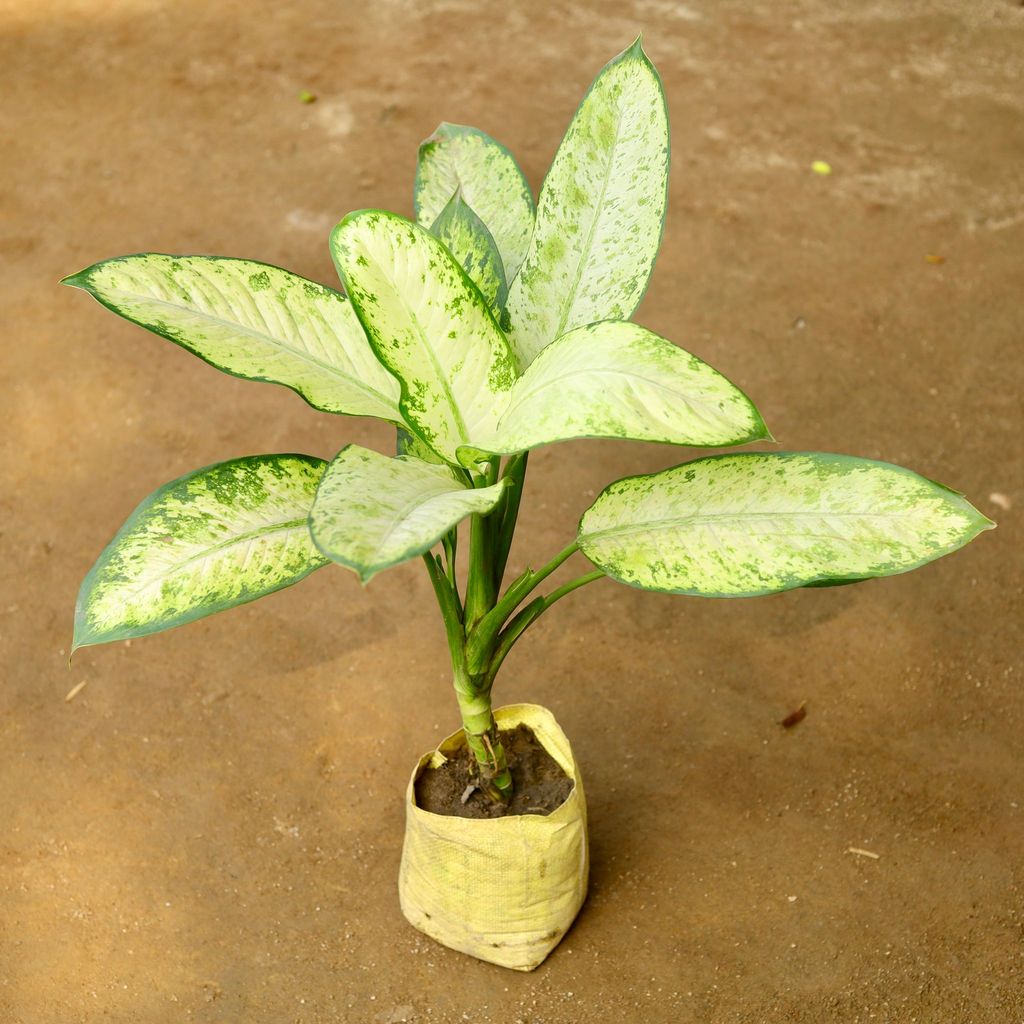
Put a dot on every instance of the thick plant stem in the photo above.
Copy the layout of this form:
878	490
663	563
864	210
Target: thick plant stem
515	473
482	739
477	641
480	581
472	694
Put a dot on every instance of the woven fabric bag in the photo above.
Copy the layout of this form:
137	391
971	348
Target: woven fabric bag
504	890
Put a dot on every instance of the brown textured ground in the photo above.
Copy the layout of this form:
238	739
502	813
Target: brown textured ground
210	830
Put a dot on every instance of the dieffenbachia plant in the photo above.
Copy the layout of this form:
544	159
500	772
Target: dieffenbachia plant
483	329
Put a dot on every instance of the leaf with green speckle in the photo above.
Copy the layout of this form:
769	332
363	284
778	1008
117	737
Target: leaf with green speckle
600	212
409	444
458	158
756	523
466	237
618	380
429	325
372	512
251	320
213	539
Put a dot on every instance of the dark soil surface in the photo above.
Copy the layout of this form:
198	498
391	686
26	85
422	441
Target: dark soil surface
209	831
539	783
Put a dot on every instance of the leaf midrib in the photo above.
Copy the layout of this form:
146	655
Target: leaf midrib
262	532
262	336
403	515
610	370
441	376
677	522
585	252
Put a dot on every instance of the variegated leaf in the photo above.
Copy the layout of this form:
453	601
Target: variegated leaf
466	237
618	380
372	512
600	212
428	324
409	444
756	523
251	320
213	539
456	157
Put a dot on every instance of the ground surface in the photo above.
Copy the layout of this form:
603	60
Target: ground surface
209	831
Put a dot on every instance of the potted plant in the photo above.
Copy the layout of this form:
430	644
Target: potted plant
482	330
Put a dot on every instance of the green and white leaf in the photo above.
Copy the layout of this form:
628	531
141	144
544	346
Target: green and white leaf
213	539
251	320
459	158
600	212
409	444
618	380
428	324
755	523
372	512
466	237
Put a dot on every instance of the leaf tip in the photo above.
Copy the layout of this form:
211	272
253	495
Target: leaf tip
984	523
979	519
337	244
759	430
80	633
365	574
444	132
77	280
79	640
441	132
352	216
636	51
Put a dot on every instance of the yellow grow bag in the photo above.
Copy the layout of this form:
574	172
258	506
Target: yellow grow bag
503	890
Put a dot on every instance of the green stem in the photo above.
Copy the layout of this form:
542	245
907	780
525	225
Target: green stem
481	733
567	588
480	581
515	473
480	587
529	582
482	633
528	616
447	602
450	542
510	634
473	696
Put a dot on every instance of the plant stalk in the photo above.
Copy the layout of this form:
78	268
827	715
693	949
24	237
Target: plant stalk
515	473
482	628
471	692
480	581
481	637
527	616
480	586
482	739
